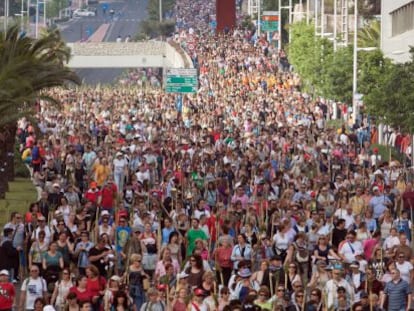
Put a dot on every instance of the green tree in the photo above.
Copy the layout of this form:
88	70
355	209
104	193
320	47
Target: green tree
392	100
370	35
337	75
28	67
309	55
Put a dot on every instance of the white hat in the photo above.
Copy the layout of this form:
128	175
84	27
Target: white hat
4	272
48	308
115	278
183	275
56	185
104	213
119	154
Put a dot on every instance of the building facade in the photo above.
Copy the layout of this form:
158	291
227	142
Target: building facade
397	33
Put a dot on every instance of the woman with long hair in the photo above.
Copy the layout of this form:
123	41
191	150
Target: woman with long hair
222	257
96	285
37	251
62	287
120	301
135	277
195	271
52	264
174	245
149	245
81	290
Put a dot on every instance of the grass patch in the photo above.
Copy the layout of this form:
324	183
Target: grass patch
21	194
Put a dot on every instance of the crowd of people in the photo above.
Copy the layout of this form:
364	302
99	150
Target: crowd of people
238	197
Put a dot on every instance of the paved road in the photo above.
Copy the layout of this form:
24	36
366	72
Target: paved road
128	15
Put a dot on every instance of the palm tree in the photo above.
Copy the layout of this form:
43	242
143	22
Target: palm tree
370	35
28	66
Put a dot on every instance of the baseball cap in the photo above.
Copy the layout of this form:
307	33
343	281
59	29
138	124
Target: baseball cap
4	272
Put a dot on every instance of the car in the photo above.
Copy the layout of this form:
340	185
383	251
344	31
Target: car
83	12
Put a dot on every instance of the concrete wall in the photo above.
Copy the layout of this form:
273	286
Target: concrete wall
126	55
396	47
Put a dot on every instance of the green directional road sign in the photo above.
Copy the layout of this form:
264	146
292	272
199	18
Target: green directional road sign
270	21
181	80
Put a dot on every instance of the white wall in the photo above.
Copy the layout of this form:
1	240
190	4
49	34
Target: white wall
396	47
125	55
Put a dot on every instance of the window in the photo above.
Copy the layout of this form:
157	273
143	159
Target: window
402	19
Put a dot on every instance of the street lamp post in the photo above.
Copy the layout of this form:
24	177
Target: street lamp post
258	17
280	20
37	20
355	107
6	15
160	8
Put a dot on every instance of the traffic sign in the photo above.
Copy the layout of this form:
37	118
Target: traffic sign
181	80
270	21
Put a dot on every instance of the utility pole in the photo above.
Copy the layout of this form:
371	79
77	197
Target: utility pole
160	3
335	31
258	17
355	65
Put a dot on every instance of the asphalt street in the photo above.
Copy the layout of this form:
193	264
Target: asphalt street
126	20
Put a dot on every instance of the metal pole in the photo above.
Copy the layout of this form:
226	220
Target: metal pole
160	2
335	24
307	12
258	18
316	17
322	17
44	13
290	19
28	16
280	25
6	15
37	20
22	16
355	65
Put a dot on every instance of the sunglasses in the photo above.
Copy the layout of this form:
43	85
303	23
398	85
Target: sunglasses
299	296
34	270
280	290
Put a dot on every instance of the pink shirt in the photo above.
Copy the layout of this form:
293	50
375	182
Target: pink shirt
369	246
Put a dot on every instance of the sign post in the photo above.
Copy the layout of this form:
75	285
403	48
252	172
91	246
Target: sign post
270	21
181	80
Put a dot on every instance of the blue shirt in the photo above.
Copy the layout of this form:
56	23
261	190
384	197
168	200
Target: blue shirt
397	295
378	204
122	237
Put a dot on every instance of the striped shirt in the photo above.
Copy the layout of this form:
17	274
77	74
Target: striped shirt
397	295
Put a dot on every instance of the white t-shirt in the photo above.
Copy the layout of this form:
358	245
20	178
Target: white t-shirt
34	289
405	269
348	250
119	165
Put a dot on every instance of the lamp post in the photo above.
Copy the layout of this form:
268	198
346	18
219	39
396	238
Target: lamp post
259	25
6	15
37	20
280	20
355	107
160	8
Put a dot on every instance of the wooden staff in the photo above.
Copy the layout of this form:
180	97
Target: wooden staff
96	227
271	284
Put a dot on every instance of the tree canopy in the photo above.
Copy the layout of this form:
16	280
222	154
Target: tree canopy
27	67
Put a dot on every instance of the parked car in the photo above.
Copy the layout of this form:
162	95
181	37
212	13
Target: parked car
83	12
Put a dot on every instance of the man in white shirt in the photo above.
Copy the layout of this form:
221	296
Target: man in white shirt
32	288
332	286
350	248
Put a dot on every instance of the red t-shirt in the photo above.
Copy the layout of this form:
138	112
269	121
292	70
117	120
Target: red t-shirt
95	286
7	293
82	296
108	194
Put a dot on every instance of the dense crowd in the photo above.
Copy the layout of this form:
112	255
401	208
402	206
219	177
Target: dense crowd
238	197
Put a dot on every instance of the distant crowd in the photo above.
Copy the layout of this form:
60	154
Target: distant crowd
237	197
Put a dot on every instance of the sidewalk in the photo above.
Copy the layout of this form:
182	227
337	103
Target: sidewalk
99	34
